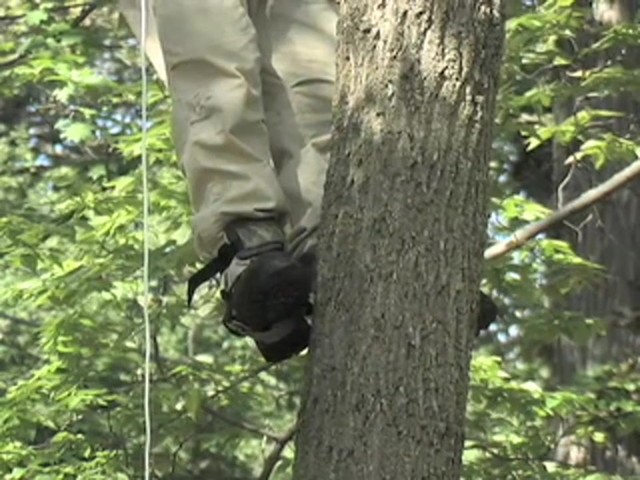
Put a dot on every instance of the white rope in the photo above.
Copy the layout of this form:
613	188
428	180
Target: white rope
145	214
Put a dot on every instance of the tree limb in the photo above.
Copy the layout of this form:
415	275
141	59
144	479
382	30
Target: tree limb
586	200
274	456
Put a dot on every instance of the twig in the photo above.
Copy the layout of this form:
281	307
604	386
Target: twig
587	199
564	183
157	356
241	425
274	456
19	320
86	11
13	62
12	18
242	379
508	458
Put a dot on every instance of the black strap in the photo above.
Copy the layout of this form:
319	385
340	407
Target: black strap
210	270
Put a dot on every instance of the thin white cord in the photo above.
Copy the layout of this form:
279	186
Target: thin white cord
145	214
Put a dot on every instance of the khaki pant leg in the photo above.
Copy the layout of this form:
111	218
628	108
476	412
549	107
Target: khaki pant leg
303	52
213	68
131	10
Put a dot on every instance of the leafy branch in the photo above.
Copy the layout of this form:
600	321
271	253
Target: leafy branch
88	9
241	424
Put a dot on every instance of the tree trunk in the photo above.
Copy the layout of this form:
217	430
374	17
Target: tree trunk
404	225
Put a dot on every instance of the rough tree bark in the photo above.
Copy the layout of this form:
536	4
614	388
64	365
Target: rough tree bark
403	234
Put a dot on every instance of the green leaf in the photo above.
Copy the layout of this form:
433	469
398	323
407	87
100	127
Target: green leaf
193	404
36	17
76	132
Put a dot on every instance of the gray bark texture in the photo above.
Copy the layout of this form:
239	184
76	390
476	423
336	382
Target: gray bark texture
402	239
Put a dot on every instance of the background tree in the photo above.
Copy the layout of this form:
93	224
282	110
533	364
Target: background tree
585	122
608	234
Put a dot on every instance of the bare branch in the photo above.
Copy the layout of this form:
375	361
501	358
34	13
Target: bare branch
13	62
86	11
242	379
274	456
13	18
241	424
19	320
586	200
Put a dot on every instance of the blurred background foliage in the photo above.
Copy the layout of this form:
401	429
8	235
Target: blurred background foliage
555	388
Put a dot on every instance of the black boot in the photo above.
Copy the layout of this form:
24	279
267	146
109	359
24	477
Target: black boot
269	301
266	290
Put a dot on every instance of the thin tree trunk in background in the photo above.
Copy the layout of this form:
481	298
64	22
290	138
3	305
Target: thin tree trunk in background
404	226
608	234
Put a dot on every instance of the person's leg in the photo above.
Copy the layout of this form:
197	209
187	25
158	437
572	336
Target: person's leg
213	66
131	11
213	69
302	36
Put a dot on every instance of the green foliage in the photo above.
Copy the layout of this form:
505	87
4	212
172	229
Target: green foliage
523	422
519	430
71	349
70	247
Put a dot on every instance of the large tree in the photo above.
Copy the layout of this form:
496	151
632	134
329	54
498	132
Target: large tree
403	233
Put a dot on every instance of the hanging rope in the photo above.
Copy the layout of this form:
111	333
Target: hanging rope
145	268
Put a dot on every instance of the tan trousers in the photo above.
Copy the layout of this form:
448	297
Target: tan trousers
251	86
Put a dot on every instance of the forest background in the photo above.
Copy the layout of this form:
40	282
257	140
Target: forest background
555	390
